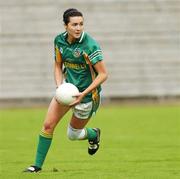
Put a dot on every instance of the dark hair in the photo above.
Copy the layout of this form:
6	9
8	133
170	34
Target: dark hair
71	12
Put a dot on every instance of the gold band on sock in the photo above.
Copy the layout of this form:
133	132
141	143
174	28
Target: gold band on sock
46	135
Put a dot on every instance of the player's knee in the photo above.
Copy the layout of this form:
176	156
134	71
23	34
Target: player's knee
71	134
75	134
48	126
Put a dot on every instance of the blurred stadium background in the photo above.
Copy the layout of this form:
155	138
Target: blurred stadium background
140	41
141	46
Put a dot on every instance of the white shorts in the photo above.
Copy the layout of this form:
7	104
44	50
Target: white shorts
83	110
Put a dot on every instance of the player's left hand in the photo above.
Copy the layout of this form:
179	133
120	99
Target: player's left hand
79	98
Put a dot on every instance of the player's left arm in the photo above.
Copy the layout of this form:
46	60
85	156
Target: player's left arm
100	78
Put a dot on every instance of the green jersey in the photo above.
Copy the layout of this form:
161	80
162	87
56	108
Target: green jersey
77	71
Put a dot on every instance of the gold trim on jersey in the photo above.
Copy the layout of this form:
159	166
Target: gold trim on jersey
95	95
58	54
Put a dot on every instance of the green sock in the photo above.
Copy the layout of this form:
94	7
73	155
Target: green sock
91	134
42	149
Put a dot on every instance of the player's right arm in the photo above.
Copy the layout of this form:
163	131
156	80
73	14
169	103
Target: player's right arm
58	72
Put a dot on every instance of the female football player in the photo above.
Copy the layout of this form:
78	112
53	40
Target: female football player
78	60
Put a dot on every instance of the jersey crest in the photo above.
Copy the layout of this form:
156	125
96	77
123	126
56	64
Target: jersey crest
77	52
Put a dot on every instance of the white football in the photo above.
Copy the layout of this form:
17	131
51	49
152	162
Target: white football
65	93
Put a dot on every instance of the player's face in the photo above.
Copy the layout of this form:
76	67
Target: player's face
74	28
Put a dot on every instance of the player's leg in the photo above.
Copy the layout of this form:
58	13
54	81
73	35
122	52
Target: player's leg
55	112
77	131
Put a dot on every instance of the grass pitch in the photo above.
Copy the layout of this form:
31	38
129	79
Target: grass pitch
136	143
